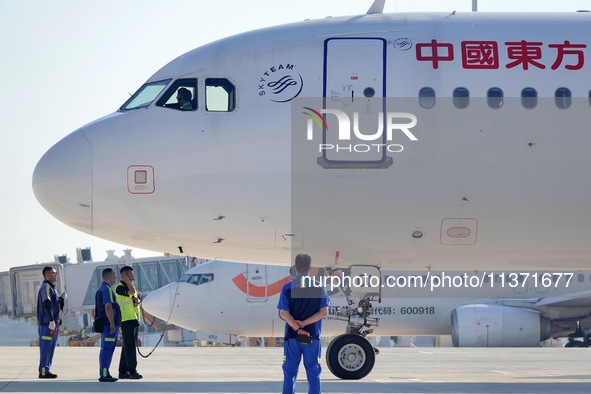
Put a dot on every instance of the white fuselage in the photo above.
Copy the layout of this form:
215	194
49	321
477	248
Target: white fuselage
480	188
241	299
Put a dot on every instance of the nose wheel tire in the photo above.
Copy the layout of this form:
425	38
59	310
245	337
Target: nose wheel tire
350	356
575	344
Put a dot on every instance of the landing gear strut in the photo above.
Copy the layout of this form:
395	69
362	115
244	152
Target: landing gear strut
350	355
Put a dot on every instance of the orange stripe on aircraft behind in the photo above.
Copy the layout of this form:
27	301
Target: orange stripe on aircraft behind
259	291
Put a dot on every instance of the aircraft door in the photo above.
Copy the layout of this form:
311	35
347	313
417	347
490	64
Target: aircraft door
256	283
355	83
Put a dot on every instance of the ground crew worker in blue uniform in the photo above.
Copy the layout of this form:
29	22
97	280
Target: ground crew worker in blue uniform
110	315
49	313
129	302
302	307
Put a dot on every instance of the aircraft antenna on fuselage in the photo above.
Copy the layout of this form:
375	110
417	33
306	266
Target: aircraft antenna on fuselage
377	7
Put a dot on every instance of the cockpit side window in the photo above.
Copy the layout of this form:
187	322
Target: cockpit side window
196	279
145	95
220	95
206	278
181	95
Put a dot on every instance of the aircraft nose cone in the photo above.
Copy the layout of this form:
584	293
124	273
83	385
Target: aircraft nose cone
157	303
62	181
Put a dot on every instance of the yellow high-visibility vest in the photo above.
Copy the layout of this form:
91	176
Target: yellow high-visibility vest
128	310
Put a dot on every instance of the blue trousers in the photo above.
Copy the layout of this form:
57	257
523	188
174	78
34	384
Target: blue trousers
46	348
108	343
292	355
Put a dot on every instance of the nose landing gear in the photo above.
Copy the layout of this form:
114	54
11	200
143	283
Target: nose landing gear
350	355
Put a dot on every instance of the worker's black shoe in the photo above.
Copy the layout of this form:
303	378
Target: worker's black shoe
135	376
47	375
107	379
124	375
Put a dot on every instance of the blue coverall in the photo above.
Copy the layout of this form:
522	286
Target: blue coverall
302	306
104	296
47	343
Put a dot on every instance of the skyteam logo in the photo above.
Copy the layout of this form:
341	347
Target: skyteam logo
346	135
281	83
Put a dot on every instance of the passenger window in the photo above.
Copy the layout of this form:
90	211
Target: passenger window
495	98
461	97
220	95
589	97
581	278
563	98
427	98
181	95
529	98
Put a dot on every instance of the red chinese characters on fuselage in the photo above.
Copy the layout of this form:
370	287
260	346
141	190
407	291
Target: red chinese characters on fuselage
521	54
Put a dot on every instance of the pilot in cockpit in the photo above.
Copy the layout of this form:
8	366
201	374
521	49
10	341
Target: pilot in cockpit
183	96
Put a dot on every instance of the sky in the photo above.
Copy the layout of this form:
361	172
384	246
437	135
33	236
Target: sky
66	63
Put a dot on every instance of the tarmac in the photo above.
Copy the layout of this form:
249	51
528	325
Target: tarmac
258	370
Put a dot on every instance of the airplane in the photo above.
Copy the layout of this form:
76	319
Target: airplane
263	145
520	315
483	186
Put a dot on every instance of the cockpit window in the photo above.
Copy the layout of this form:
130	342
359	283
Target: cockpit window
196	279
181	95
219	95
145	95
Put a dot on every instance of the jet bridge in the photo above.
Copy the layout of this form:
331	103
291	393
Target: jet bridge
20	285
24	284
5	295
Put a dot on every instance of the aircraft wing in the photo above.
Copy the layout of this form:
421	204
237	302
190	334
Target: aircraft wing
578	299
561	308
